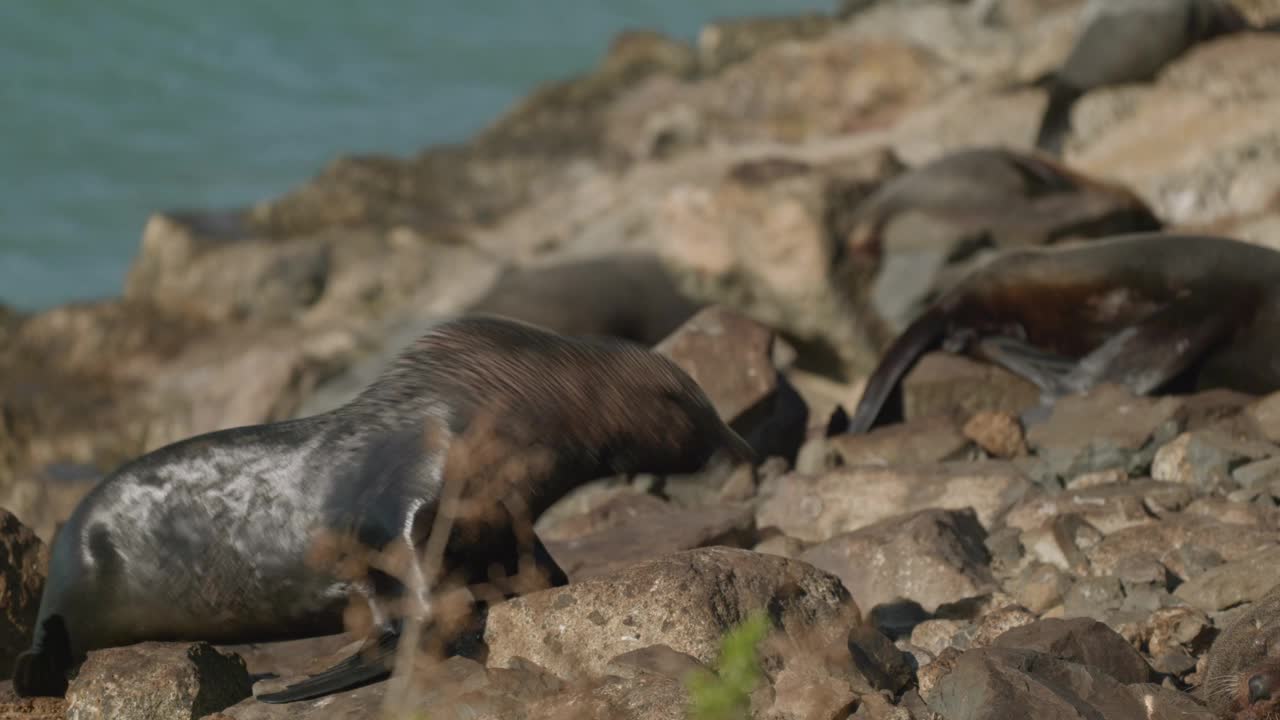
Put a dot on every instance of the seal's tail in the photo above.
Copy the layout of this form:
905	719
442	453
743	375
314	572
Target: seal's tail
369	664
42	670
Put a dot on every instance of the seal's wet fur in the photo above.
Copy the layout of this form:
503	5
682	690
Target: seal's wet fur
214	537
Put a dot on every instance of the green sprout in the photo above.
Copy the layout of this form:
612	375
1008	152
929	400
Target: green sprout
726	693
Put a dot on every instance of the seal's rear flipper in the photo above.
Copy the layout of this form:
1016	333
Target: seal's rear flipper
1146	355
920	335
369	664
42	670
1047	371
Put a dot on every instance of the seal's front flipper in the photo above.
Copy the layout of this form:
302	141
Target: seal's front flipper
42	670
370	663
1047	371
1146	355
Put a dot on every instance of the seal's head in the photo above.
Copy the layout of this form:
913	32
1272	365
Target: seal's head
1242	678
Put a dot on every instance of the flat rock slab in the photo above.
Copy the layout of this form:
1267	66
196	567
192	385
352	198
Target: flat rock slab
930	557
24	560
1177	541
651	535
1109	507
156	680
686	601
1246	579
1080	640
815	509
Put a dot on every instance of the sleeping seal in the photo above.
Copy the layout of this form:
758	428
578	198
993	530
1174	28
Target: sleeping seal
1138	310
214	537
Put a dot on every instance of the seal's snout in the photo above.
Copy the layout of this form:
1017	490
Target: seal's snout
1262	686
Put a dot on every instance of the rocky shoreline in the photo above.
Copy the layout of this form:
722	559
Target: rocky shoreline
954	565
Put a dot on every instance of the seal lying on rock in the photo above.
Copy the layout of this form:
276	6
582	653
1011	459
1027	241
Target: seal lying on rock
1242	677
214	537
1127	41
1137	310
927	219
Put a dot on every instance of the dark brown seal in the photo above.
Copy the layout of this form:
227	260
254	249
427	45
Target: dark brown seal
925	221
214	538
632	296
1128	41
1242	676
1137	310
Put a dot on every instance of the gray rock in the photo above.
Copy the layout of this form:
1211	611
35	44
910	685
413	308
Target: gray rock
157	680
1062	542
1108	427
815	509
1094	597
1205	459
929	557
1257	473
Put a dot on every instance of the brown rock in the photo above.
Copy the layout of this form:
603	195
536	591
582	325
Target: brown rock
1040	586
1080	640
1062	542
1004	682
686	601
922	441
652	535
955	386
24	561
1000	434
814	509
157	680
930	557
748	392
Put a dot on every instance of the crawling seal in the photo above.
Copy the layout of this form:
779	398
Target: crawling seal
1128	41
1242	676
1138	310
213	537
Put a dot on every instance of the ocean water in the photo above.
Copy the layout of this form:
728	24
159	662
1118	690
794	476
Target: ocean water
111	110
